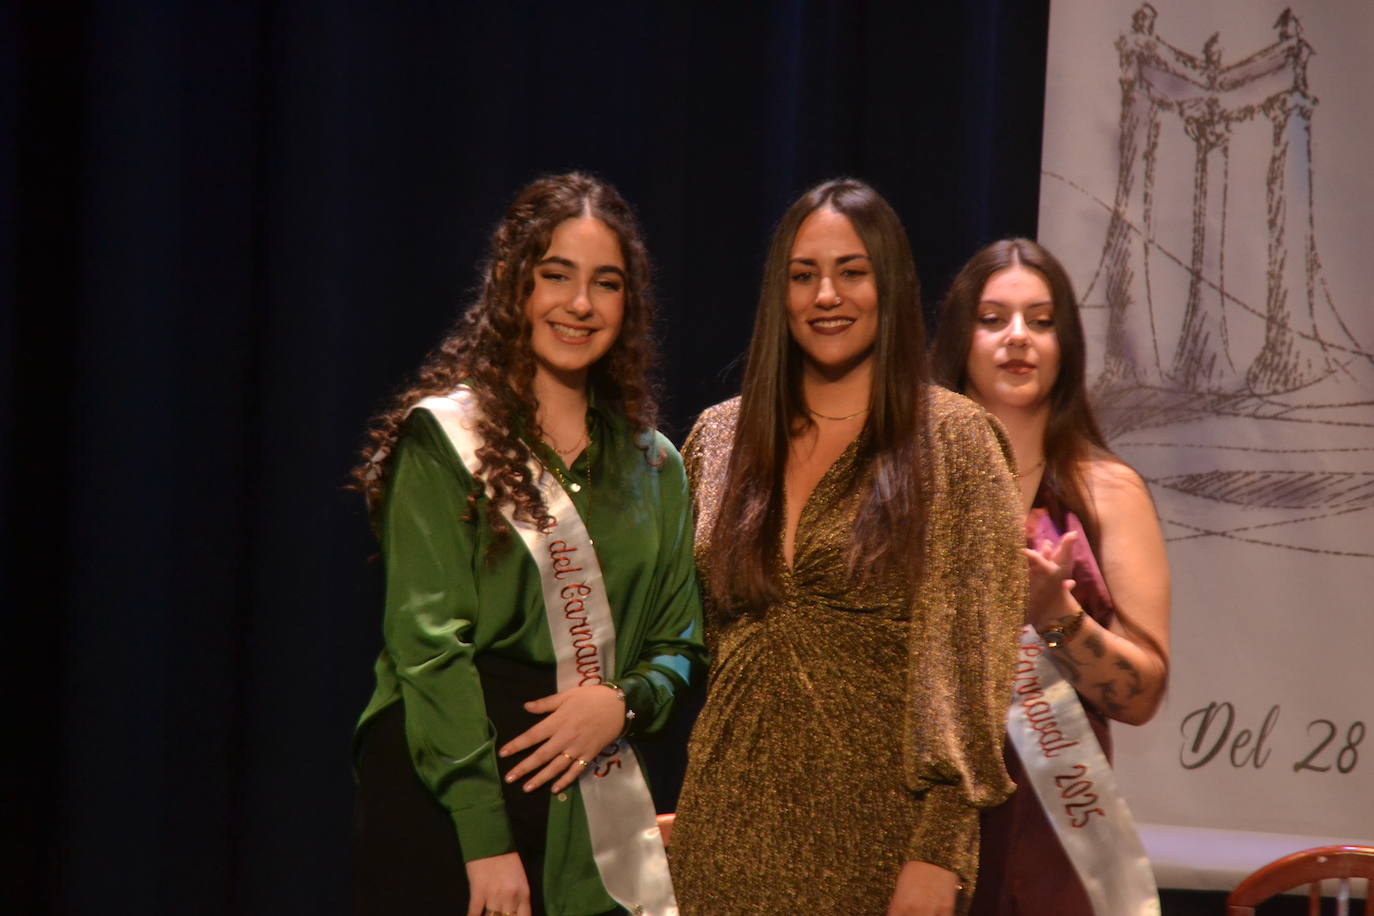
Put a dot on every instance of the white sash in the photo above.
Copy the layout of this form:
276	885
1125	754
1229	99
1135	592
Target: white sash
1075	784
621	819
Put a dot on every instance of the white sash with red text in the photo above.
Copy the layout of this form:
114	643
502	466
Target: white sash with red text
621	819
1075	784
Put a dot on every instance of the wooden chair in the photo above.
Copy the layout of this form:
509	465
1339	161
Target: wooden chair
1311	866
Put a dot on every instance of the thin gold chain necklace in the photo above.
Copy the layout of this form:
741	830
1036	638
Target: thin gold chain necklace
848	416
571	486
573	449
1017	475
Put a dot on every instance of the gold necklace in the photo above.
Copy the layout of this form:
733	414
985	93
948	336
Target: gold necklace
848	416
571	486
1017	475
585	438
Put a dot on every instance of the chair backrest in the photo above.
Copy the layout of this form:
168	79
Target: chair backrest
1311	866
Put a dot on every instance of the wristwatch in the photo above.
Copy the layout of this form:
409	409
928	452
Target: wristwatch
1057	634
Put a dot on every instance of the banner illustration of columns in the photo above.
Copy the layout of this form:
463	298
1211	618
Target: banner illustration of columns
1159	80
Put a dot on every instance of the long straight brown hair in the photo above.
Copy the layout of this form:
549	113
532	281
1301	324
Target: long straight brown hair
744	553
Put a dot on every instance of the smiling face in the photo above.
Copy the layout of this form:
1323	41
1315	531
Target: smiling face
578	301
1013	359
832	295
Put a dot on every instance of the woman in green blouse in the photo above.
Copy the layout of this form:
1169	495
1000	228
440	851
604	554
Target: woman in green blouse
527	434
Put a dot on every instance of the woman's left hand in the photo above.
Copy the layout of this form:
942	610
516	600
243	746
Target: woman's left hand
578	724
924	890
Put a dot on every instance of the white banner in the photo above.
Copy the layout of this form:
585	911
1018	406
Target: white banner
1207	182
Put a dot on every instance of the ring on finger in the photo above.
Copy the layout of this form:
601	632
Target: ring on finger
569	756
582	763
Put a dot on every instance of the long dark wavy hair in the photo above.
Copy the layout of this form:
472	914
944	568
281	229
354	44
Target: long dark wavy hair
489	348
743	560
1073	436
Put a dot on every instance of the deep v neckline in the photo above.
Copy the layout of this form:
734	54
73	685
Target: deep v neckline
843	457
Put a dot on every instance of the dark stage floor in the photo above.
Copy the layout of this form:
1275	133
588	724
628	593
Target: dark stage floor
1213	903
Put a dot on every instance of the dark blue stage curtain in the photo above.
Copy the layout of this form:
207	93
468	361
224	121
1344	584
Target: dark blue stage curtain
234	227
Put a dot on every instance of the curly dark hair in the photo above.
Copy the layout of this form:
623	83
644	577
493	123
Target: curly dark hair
489	349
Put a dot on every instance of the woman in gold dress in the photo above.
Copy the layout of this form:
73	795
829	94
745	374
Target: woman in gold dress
859	537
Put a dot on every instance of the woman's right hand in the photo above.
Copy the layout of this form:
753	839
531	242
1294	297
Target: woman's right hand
1050	595
1121	669
498	886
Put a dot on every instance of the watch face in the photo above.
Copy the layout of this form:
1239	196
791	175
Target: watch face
1053	637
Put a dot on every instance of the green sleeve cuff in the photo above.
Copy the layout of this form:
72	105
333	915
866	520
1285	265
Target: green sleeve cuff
483	832
639	696
947	834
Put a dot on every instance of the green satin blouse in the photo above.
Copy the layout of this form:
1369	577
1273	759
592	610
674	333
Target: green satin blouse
447	602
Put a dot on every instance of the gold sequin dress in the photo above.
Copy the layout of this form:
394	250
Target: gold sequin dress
848	729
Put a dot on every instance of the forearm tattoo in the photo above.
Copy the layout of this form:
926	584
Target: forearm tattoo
1081	664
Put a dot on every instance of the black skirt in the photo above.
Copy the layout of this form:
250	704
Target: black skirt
406	853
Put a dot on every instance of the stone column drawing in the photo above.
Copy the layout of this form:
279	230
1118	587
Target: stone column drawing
1202	361
1132	356
1165	88
1294	354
